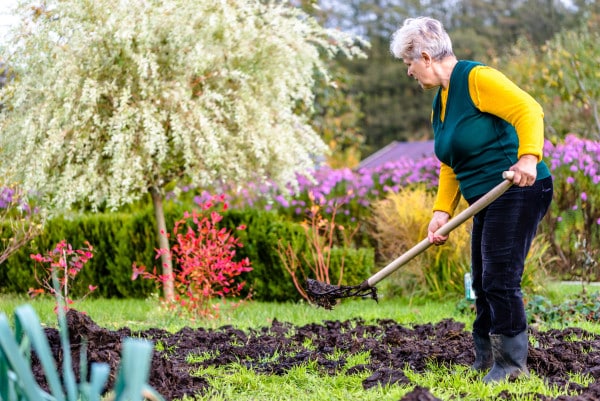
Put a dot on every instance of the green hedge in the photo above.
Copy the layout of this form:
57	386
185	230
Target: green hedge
120	239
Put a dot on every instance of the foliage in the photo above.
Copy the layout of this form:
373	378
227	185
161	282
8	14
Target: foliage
566	84
322	237
571	75
19	383
269	279
573	216
359	264
61	266
573	224
21	220
6	74
336	117
203	255
585	307
399	222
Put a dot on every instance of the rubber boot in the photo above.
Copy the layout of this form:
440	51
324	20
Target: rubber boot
483	353
510	357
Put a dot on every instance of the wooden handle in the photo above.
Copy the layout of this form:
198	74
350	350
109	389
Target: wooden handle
456	221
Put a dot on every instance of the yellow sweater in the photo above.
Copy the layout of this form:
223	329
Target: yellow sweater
492	92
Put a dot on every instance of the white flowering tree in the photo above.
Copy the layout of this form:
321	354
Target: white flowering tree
115	99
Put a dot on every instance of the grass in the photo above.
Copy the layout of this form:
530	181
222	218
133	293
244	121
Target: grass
142	314
236	382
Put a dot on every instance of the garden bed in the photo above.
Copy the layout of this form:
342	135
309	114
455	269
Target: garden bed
274	350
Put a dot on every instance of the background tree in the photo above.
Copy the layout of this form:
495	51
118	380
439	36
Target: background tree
390	103
336	114
117	99
563	76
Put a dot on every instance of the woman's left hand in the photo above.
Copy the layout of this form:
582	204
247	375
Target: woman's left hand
525	171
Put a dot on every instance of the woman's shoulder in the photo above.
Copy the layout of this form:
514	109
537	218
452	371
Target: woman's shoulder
467	66
486	73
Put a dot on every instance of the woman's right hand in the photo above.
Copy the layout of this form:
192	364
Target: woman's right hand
438	220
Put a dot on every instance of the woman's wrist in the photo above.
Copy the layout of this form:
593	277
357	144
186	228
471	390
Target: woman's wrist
529	157
441	213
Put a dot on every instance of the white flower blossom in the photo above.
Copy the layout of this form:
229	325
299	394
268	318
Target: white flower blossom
114	97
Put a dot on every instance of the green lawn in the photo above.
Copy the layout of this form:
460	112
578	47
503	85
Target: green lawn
143	314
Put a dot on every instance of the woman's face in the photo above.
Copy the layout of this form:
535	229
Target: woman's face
420	69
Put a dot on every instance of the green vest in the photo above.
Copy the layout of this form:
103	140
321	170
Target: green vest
477	146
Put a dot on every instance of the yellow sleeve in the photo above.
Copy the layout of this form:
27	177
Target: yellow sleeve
492	92
448	194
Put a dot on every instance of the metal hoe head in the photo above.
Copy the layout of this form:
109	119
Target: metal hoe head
326	295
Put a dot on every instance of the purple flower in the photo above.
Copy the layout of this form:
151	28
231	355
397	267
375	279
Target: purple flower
6	197
282	201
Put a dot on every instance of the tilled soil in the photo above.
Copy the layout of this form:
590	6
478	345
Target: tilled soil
274	350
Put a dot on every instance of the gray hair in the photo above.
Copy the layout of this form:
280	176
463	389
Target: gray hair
418	35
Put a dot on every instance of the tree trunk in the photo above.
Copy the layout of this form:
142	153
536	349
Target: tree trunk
163	243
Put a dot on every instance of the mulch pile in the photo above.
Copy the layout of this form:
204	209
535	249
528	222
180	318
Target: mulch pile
392	347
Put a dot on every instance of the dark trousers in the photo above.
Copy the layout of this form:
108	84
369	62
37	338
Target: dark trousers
501	238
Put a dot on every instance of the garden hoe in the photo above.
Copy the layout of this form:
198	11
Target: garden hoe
326	295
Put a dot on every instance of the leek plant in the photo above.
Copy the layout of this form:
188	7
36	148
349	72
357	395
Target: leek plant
18	383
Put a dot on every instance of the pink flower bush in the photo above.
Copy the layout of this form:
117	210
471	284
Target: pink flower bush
61	266
204	256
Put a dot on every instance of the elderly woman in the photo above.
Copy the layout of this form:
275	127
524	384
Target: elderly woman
484	124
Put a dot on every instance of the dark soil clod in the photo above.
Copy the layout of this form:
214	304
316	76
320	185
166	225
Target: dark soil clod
327	295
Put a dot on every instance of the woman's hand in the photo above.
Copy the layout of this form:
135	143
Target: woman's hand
525	171
439	219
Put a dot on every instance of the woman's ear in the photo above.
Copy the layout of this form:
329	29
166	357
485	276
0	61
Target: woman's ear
426	58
